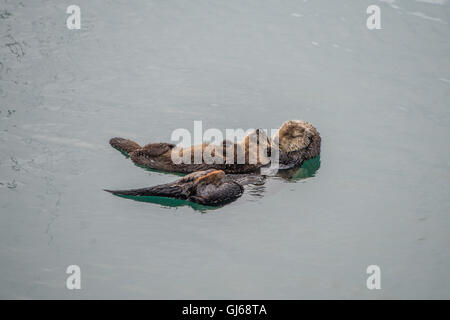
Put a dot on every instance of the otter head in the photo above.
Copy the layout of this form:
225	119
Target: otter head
294	135
258	143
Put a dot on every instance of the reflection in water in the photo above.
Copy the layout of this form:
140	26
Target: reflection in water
256	191
308	169
122	152
170	202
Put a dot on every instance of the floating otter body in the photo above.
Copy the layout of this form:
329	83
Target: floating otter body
295	142
224	157
209	187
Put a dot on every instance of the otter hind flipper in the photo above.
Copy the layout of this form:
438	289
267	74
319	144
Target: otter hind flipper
124	145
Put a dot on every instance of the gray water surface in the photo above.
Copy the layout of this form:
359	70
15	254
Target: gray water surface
140	69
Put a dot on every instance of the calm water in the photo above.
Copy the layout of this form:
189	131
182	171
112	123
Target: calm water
140	69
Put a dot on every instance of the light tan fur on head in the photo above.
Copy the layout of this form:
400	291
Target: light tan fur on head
253	147
257	142
294	135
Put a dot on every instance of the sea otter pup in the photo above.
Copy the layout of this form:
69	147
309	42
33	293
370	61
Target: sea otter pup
242	157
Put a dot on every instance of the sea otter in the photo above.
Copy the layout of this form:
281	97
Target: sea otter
296	141
209	187
253	152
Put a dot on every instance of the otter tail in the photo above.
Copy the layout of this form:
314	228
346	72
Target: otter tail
124	145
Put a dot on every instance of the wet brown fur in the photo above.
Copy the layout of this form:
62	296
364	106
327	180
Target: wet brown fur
209	187
297	141
159	155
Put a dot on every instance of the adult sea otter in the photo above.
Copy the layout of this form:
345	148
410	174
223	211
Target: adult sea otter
241	157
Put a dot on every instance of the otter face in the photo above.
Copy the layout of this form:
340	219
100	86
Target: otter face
258	137
294	135
258	142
